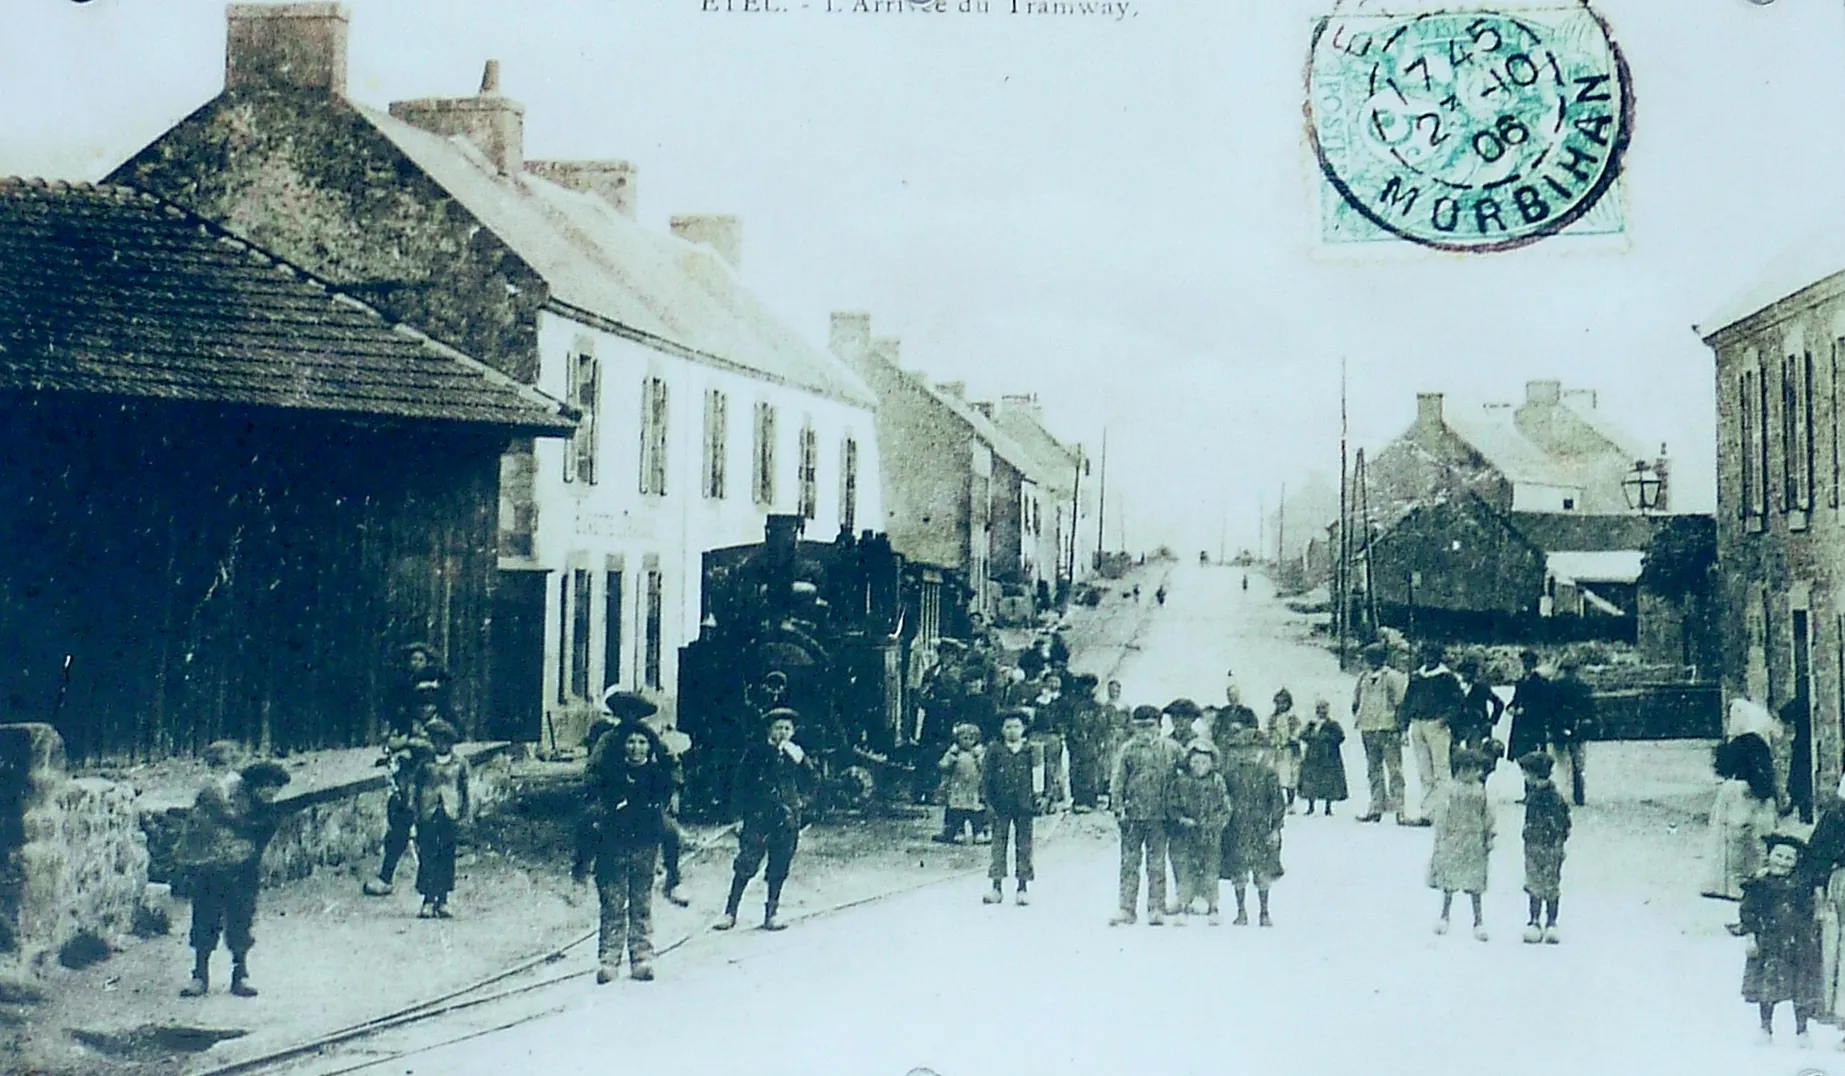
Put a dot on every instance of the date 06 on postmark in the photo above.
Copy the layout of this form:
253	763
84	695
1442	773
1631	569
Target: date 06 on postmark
1477	129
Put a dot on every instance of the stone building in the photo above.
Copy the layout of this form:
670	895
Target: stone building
1065	495
1780	546
702	413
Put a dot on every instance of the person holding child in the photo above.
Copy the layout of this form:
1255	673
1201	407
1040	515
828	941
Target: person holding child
440	796
221	852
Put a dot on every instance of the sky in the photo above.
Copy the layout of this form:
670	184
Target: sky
1116	214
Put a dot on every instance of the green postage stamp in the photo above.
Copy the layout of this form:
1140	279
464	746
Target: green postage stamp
1467	129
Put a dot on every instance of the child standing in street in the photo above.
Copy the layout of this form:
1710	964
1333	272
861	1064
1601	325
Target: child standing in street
1322	770
629	788
961	770
1012	784
1284	744
1784	951
771	783
1201	809
441	800
232	820
1547	826
1252	838
1463	825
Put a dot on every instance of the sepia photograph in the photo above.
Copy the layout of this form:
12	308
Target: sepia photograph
922	537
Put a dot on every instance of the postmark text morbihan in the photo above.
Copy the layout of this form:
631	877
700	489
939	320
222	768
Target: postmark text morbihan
1467	129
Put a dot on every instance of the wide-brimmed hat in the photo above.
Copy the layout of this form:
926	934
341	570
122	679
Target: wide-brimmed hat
627	706
1183	708
1775	840
782	713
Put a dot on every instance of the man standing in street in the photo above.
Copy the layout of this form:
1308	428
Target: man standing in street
1374	709
1431	704
1140	793
773	777
1572	717
1530	710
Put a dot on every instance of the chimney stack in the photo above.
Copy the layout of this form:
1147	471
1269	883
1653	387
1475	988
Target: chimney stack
957	389
887	350
493	124
286	46
723	234
850	333
1023	403
1543	392
612	180
1428	410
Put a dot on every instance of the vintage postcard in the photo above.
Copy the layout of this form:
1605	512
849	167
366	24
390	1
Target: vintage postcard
922	537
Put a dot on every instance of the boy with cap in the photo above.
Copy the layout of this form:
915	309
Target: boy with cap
1140	794
440	796
629	788
1201	809
622	707
1547	826
772	779
1012	783
232	819
1252	838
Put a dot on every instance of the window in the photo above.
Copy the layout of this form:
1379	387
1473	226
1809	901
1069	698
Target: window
848	487
717	441
611	627
650	660
585	385
1745	442
563	638
1569	504
810	472
1761	441
1796	433
1832	387
765	454
653	436
579	633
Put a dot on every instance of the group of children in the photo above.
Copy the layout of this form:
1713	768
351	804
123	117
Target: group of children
1464	833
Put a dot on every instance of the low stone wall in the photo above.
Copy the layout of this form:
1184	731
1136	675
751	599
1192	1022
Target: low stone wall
331	822
73	859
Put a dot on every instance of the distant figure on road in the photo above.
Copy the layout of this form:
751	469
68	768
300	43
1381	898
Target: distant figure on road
1245	580
1463	841
1375	702
1160	594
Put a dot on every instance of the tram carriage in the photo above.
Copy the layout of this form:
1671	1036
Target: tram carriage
836	618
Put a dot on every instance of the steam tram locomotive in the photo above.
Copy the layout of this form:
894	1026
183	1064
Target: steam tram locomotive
838	620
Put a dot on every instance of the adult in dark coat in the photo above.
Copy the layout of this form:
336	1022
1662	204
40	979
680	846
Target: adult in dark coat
1572	721
1322	769
1530	710
1088	742
1480	711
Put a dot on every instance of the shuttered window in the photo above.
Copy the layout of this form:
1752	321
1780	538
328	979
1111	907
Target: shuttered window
650	659
653	436
717	442
583	391
810	473
848	486
764	456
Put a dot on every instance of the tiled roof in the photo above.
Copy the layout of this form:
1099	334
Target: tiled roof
109	290
600	261
1493	434
1565	532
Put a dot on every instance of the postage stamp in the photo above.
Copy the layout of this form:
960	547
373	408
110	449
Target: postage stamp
1468	129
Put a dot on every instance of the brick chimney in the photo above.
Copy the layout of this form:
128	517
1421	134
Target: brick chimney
887	350
286	46
850	333
1543	392
1022	403
494	125
1428	410
612	180
723	234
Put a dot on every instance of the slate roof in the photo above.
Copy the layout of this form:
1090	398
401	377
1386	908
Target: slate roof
598	260
1494	435
1562	532
109	290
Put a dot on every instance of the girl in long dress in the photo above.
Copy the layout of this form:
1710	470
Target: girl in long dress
1284	744
1744	812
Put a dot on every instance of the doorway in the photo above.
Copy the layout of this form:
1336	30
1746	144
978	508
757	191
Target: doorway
1798	714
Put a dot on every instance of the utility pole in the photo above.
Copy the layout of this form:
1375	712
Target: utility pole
1076	489
1101	500
1281	532
1341	598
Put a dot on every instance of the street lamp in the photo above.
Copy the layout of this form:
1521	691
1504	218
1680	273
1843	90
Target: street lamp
1642	487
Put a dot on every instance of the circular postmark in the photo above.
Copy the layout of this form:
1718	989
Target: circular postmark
1469	129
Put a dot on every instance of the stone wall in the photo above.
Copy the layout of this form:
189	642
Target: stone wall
73	859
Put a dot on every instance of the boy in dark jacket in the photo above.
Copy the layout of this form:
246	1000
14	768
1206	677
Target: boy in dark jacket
232	820
629	787
773	778
1252	839
1140	794
1547	826
1201	809
1012	784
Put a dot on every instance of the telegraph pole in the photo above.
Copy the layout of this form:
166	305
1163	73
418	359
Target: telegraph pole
1341	598
1101	500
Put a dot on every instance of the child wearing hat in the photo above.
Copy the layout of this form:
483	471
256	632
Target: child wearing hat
629	787
440	797
771	782
1284	744
1201	809
1251	846
1012	786
1463	824
1547	826
1784	961
961	767
1322	769
232	819
1140	795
